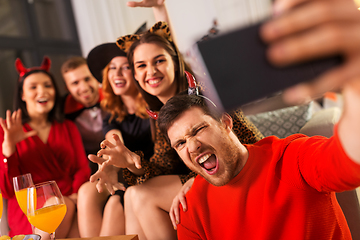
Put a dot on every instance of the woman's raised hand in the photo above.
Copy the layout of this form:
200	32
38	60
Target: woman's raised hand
158	6
146	3
13	131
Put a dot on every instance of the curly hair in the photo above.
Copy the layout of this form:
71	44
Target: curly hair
113	103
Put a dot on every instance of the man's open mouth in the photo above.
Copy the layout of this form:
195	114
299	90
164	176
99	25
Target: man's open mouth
209	163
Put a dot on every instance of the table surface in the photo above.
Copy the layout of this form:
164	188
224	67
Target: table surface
120	237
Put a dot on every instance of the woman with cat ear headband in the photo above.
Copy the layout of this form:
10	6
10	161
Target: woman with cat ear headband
35	139
159	71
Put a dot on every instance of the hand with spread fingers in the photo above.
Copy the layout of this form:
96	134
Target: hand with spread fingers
13	131
107	176
302	30
117	155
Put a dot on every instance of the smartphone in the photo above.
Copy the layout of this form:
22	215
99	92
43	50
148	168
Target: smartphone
235	71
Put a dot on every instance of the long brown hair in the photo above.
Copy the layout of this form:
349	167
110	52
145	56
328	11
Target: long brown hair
114	104
181	82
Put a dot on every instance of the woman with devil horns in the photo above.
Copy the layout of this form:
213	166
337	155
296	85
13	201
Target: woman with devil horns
35	139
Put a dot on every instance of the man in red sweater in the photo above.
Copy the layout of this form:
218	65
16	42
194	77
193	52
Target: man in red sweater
276	188
273	189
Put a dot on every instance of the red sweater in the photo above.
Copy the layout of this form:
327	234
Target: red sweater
61	159
285	191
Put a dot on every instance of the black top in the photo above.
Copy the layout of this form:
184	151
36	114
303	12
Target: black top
135	132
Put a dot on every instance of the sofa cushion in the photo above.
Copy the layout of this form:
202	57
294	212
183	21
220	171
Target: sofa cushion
282	122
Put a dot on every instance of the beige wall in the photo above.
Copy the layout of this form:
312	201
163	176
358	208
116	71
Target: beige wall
105	20
100	21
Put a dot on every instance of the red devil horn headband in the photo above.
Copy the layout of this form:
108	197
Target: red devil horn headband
45	65
192	90
20	67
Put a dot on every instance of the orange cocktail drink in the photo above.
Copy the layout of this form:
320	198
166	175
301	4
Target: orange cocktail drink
48	218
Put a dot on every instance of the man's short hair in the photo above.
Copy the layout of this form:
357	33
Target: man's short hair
72	63
180	103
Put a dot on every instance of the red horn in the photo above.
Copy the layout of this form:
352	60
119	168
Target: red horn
20	67
192	90
45	65
152	114
191	79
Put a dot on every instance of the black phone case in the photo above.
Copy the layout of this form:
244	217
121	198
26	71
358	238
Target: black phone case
235	70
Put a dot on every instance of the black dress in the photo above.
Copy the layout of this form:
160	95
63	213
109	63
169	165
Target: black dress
135	132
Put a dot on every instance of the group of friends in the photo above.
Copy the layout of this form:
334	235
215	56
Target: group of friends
157	150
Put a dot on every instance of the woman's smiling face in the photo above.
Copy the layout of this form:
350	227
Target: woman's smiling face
38	93
120	77
155	71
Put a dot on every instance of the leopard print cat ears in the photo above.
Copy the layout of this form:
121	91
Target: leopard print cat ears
159	28
22	70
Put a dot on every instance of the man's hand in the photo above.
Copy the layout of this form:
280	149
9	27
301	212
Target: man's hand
303	30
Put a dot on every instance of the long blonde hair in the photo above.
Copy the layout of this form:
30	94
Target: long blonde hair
113	103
